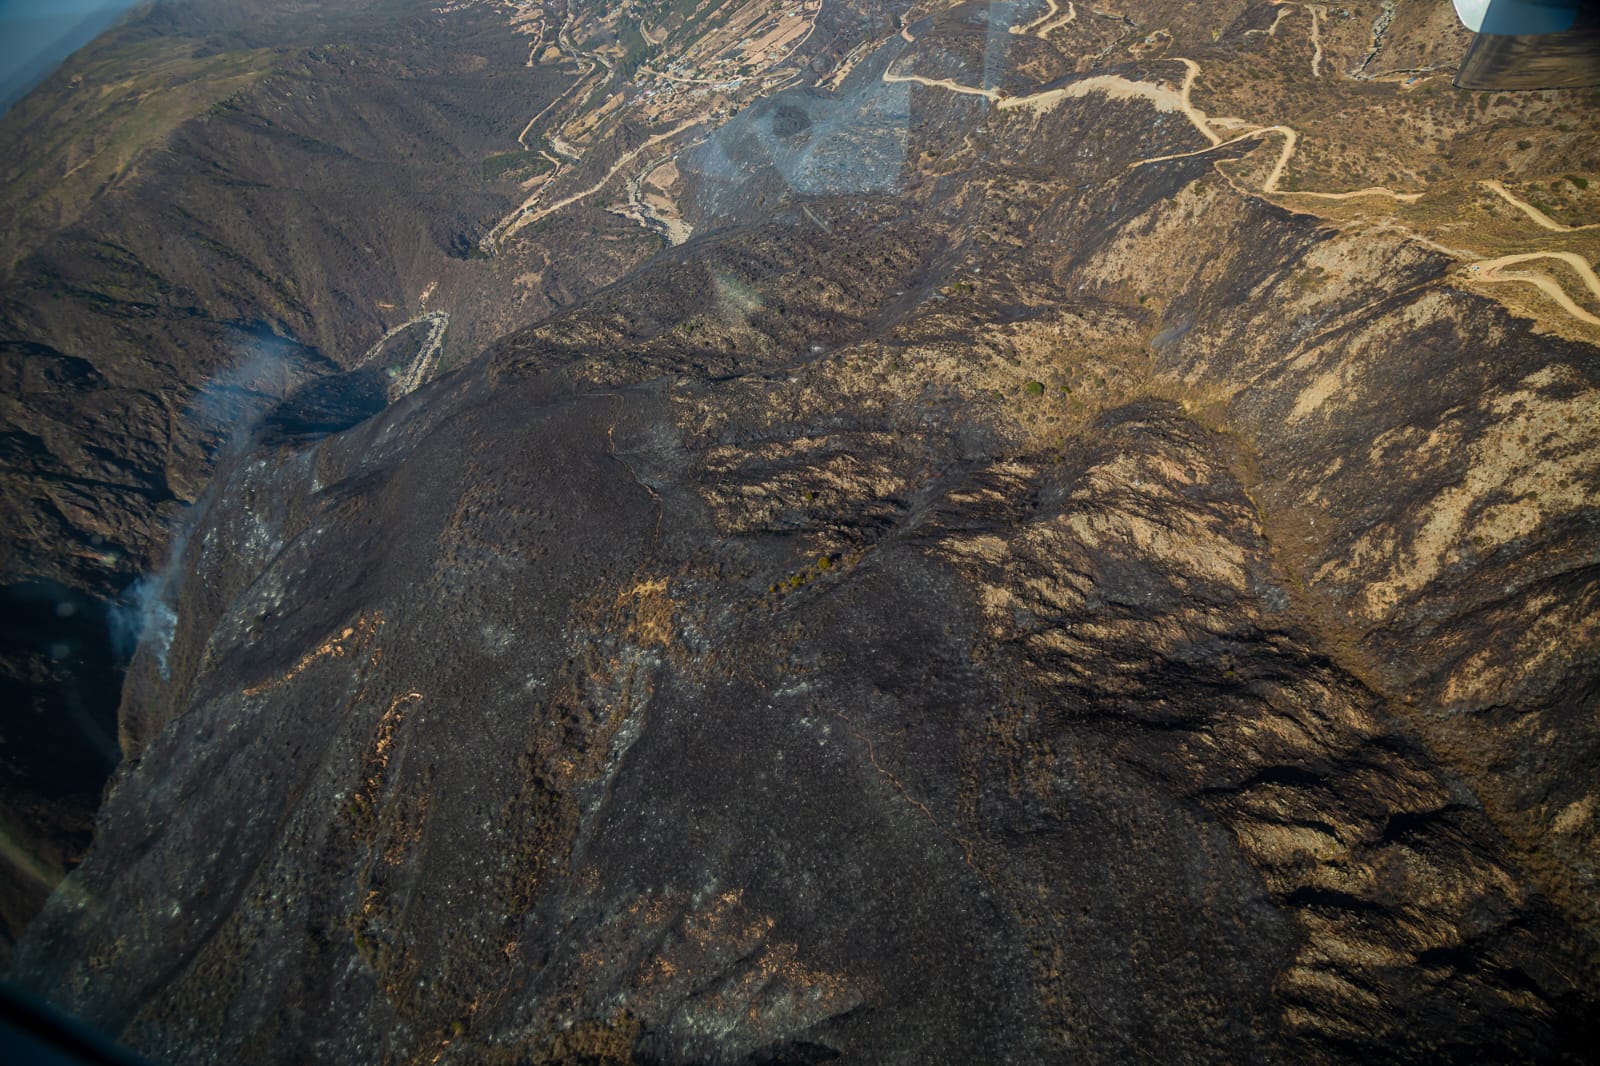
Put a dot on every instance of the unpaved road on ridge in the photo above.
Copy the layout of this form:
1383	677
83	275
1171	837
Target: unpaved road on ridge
1539	217
421	367
522	217
1163	98
1048	21
1167	100
1491	270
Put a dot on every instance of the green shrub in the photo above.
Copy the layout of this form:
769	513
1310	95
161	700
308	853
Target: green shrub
514	164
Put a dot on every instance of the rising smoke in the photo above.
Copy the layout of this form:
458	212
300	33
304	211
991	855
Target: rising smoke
226	412
143	615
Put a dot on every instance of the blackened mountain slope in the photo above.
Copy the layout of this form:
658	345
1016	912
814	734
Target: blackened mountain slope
206	209
663	687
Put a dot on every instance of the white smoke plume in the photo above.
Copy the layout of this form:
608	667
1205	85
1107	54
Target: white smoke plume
228	407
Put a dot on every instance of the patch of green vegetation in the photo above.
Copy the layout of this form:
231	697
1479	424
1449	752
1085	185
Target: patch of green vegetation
515	165
823	564
1034	388
695	18
600	94
1580	182
636	51
1306	279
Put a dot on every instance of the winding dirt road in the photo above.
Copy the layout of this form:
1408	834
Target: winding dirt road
1113	85
524	216
1048	21
1166	99
1539	217
1272	30
1161	96
940	83
421	367
1492	270
582	60
1318	12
